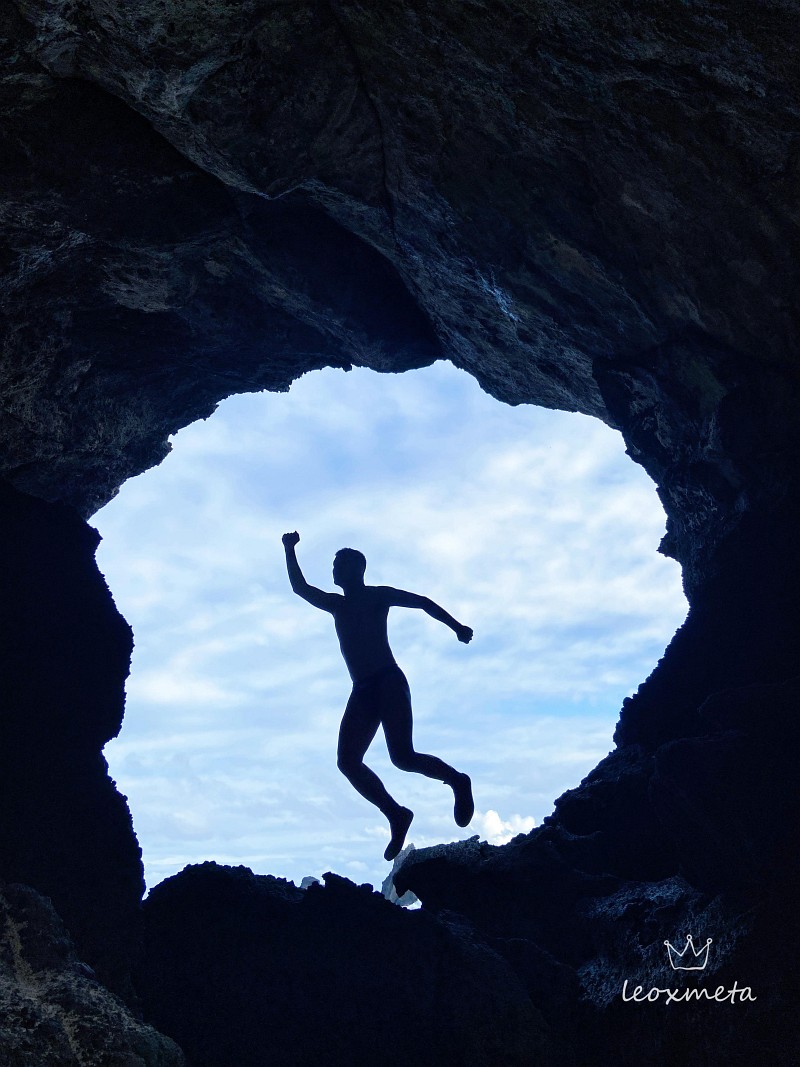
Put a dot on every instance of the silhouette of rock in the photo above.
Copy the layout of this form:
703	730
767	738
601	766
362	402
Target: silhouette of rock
388	889
65	654
590	207
247	969
728	836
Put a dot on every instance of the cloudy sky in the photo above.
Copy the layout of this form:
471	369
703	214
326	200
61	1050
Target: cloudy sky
531	526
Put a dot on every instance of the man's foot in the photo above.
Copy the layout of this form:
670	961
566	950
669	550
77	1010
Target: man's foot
398	824
464	807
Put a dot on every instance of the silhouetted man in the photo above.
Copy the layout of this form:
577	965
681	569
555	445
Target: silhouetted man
380	696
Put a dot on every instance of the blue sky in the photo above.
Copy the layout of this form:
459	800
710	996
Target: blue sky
531	526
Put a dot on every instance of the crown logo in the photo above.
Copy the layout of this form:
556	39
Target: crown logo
684	961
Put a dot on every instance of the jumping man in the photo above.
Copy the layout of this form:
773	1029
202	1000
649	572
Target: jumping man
380	694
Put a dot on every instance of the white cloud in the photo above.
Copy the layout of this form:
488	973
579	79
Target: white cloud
499	831
173	686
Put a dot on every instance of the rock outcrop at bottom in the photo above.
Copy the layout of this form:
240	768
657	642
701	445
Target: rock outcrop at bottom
53	1010
714	821
247	970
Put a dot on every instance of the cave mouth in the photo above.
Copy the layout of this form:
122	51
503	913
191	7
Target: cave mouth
532	526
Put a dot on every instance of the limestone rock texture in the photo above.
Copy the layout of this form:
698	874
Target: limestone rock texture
590	206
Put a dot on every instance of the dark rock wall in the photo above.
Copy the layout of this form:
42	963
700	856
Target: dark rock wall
65	654
743	627
140	290
700	837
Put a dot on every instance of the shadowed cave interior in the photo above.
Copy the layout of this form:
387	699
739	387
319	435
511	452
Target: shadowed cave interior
586	207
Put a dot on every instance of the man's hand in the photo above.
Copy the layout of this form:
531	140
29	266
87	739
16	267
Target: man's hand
290	539
464	634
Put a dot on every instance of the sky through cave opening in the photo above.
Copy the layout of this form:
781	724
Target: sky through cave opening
531	526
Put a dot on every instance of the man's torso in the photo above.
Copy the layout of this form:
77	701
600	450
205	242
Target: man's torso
361	626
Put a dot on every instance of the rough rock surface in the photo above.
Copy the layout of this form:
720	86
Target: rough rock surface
53	1010
699	838
333	974
586	205
65	654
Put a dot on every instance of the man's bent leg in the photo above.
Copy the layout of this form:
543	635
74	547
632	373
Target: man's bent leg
359	726
398	727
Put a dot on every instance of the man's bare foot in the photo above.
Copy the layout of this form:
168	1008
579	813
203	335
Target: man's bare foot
399	825
464	807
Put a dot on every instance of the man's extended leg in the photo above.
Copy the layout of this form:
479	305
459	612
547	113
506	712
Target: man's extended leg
359	726
398	727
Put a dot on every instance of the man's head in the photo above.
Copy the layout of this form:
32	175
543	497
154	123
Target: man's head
348	567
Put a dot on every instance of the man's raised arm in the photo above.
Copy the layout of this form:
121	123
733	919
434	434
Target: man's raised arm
401	599
318	597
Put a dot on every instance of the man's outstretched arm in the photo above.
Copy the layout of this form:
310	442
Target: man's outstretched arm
401	599
318	597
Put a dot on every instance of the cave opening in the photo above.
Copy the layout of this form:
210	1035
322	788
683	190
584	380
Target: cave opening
530	525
